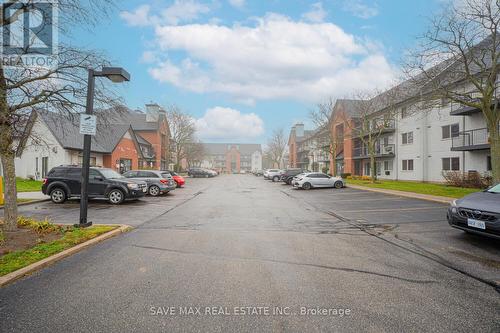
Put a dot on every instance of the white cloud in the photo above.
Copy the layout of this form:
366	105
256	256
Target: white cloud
360	9
184	10
179	11
316	14
229	124
237	3
277	58
149	57
139	17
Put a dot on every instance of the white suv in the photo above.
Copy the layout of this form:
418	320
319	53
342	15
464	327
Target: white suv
273	174
309	180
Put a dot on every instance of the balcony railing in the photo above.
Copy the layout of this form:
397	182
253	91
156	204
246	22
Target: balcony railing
476	139
376	126
380	151
458	109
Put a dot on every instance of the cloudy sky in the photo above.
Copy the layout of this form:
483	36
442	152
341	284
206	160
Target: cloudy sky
243	68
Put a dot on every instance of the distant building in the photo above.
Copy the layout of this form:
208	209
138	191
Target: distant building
232	157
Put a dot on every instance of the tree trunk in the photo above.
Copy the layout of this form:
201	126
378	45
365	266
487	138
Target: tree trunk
495	154
10	192
372	166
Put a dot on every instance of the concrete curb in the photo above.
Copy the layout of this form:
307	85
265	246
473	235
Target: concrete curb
30	202
433	198
61	255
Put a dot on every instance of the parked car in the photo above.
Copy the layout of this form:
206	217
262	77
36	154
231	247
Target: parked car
477	213
179	180
158	182
64	182
309	180
273	174
288	175
258	172
211	172
199	172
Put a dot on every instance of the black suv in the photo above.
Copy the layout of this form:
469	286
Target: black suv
64	182
288	175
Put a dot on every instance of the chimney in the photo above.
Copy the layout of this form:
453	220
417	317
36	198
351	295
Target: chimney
299	130
152	112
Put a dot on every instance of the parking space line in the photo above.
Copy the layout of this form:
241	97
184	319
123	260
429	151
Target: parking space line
392	209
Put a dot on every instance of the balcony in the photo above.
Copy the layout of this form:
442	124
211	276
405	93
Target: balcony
380	125
380	151
458	109
476	139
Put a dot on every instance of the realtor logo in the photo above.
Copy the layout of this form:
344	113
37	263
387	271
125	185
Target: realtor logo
29	33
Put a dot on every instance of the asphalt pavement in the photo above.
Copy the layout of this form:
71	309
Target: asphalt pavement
237	253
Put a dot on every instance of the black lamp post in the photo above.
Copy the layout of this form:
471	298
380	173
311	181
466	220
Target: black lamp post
116	75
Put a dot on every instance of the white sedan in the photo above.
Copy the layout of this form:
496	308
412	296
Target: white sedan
309	180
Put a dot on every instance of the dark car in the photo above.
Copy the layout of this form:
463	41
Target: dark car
64	182
288	175
158	182
199	172
477	213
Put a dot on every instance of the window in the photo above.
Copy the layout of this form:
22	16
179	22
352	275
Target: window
450	131
388	165
407	165
147	174
488	163
407	138
45	166
94	174
367	169
451	164
379	168
404	112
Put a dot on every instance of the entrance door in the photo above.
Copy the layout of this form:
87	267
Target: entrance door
125	165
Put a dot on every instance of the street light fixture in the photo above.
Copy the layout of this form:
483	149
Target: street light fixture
116	75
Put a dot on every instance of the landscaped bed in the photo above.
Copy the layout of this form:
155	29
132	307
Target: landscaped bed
37	240
416	187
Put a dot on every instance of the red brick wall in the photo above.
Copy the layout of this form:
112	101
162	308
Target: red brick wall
339	119
124	150
233	152
154	139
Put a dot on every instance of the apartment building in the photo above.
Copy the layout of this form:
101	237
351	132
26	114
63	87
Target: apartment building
232	157
308	149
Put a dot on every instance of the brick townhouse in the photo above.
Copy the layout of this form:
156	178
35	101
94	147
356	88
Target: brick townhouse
124	140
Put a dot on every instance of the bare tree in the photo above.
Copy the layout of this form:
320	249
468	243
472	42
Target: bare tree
182	130
195	153
276	146
323	118
59	88
373	115
463	44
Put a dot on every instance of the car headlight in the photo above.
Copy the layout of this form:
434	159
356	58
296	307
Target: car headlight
453	205
133	186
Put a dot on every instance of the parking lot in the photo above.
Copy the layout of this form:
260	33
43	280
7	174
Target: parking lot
240	240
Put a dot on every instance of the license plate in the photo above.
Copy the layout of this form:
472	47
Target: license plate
476	224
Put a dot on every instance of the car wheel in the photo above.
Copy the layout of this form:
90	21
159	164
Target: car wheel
289	182
275	179
58	195
306	186
154	190
116	197
338	185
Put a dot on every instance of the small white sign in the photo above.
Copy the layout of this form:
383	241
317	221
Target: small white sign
88	124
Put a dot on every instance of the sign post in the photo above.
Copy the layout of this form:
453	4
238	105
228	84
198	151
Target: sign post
88	124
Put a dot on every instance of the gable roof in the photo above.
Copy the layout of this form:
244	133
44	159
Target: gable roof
222	148
66	130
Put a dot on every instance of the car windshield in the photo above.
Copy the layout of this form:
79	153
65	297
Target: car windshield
494	189
110	174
